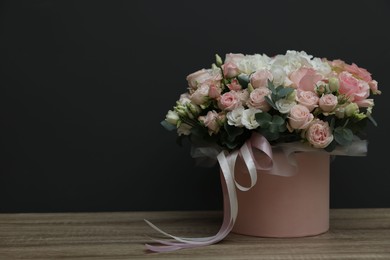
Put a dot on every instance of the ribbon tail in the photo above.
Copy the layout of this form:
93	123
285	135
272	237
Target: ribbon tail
229	216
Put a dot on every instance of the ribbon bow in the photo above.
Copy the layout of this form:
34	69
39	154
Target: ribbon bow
256	153
257	145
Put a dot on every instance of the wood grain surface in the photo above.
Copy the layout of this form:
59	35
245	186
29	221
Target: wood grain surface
354	234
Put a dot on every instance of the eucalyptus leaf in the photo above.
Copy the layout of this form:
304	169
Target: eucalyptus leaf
271	86
233	131
243	79
264	119
277	120
331	146
283	92
273	128
271	136
167	125
343	135
270	102
282	128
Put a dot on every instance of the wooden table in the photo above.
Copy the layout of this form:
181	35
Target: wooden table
354	234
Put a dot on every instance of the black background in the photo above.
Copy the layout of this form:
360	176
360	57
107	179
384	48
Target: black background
85	84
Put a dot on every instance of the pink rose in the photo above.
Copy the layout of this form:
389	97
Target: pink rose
234	58
307	98
305	78
229	101
319	134
211	121
230	70
260	78
374	87
230	66
234	85
365	103
353	88
200	96
358	72
200	77
337	64
214	91
328	102
257	99
243	95
300	117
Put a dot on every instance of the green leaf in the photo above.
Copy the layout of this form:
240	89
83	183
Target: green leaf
233	131
283	92
282	128
271	136
270	102
264	119
273	128
343	135
277	120
332	123
271	86
243	79
331	146
167	125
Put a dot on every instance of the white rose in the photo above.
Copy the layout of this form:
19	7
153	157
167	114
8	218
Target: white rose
279	76
321	67
292	61
234	117
172	117
284	105
248	118
252	63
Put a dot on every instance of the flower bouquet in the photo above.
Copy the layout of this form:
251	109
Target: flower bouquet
242	109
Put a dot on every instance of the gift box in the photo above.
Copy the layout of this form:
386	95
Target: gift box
285	206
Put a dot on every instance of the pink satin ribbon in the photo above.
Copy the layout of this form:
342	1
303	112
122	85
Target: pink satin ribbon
257	156
257	145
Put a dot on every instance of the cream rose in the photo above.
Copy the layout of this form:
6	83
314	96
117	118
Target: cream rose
234	117
172	117
284	105
248	118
